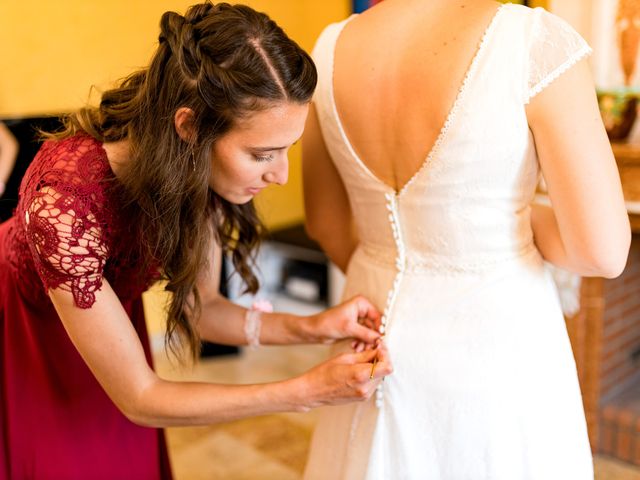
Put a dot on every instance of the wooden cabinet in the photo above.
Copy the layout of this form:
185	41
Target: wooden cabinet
628	159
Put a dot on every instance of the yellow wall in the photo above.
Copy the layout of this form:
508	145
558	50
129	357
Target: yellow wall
53	52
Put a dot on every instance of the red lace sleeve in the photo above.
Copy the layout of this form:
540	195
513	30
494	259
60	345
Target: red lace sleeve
65	217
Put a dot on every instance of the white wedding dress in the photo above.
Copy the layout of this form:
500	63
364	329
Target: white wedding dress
485	384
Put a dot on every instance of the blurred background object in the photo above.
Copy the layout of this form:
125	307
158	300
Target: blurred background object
628	34
619	109
25	131
8	153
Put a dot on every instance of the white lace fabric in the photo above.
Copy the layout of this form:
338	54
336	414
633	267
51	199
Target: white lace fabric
555	47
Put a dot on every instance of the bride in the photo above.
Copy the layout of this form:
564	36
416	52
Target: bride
431	125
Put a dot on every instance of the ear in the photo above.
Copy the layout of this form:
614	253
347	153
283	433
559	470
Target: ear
183	121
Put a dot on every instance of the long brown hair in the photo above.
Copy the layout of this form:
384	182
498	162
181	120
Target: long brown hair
223	62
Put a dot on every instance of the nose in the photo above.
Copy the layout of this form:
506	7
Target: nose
279	171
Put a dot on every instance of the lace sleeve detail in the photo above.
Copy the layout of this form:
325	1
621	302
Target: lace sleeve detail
67	245
64	214
554	48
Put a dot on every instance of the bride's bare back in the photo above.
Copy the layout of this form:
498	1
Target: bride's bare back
394	92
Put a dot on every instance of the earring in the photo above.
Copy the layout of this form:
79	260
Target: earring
193	160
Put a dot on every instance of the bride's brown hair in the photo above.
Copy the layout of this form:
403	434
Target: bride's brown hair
223	62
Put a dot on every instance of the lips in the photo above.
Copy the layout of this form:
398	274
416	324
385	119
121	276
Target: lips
254	191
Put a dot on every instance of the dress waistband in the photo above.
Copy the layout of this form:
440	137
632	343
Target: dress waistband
468	263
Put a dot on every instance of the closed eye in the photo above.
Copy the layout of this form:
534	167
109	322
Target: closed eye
264	158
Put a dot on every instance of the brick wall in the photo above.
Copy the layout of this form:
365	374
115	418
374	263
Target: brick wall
618	428
621	329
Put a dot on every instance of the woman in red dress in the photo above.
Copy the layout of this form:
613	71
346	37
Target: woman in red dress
156	183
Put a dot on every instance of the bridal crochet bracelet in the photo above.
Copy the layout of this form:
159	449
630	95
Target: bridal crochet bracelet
253	322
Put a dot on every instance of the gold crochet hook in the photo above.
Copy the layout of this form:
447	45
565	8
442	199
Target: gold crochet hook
373	367
375	360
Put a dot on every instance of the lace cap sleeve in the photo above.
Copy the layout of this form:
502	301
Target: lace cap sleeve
66	224
554	47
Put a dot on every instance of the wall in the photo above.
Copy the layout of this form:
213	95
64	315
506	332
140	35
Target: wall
579	13
52	55
54	52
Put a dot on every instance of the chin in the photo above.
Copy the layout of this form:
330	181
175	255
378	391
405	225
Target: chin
237	199
245	201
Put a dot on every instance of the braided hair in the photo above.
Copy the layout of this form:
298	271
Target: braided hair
223	62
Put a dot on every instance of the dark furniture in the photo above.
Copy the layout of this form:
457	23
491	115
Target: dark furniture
26	132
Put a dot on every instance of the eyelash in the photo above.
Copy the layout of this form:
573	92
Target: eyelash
263	158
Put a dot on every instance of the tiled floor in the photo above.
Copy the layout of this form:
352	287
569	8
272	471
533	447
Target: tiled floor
273	447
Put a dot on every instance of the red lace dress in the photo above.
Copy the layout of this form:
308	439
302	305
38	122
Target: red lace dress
56	422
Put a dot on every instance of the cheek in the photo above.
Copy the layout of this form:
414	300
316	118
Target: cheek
228	171
242	173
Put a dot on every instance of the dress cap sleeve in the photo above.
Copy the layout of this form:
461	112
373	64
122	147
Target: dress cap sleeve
554	47
66	221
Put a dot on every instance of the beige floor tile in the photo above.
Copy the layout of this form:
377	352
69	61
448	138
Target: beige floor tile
610	469
179	438
276	437
221	456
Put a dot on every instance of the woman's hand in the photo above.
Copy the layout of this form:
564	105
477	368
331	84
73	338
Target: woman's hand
344	378
357	319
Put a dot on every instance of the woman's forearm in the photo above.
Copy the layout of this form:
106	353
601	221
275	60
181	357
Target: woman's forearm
222	321
547	236
548	239
165	403
344	378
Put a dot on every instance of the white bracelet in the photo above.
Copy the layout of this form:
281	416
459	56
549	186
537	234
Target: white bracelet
252	324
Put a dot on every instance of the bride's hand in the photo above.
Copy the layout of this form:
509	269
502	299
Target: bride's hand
345	378
356	319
